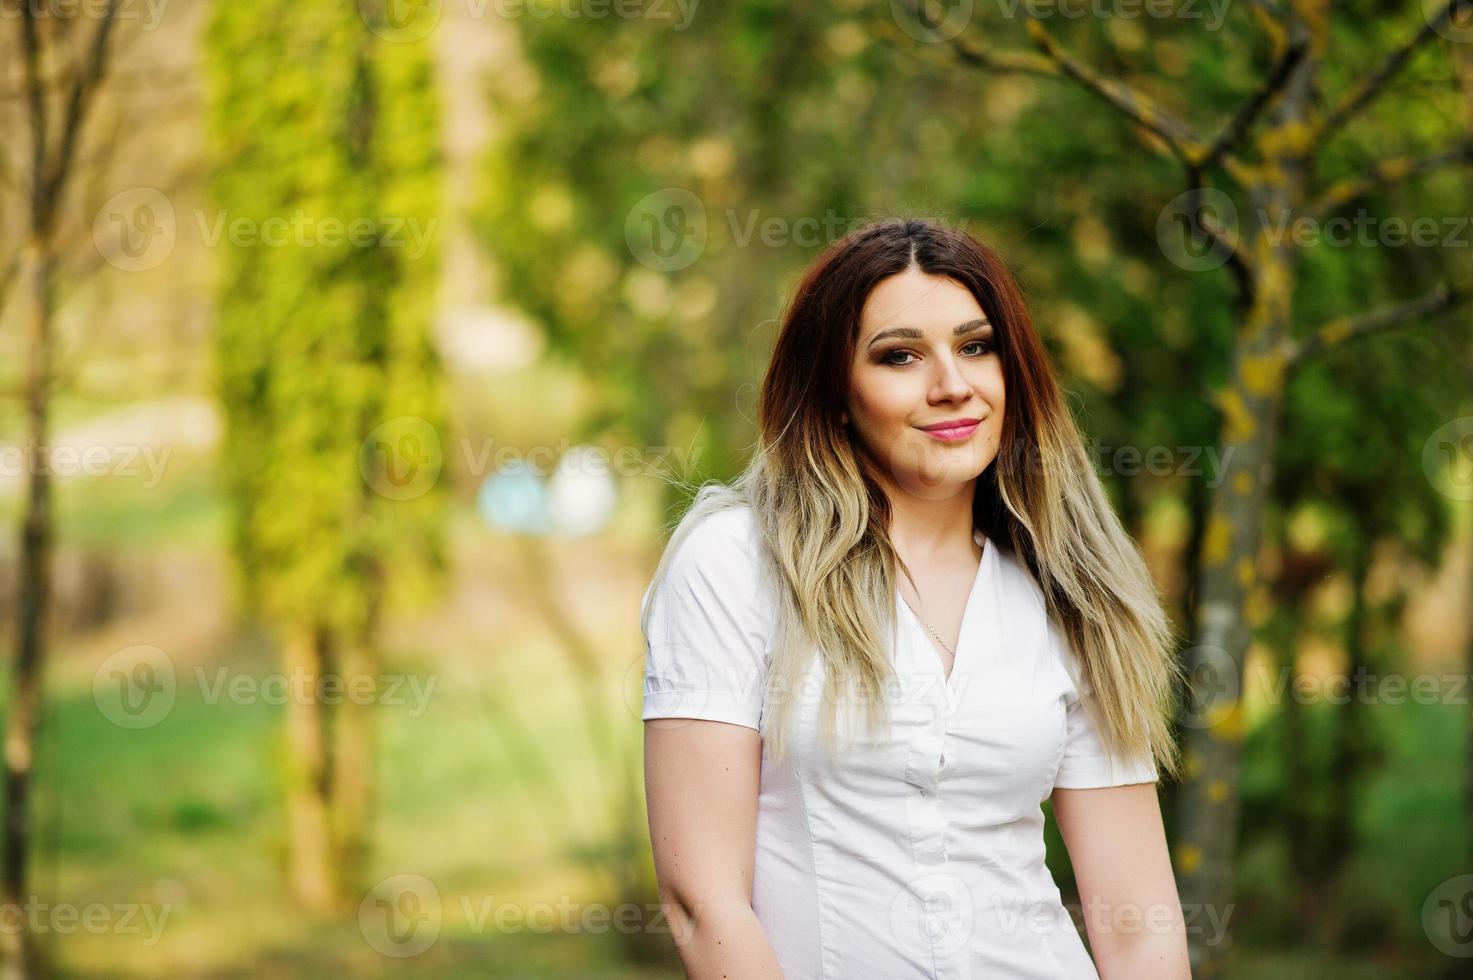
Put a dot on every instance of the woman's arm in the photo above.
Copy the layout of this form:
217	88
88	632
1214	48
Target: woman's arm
701	781
1117	845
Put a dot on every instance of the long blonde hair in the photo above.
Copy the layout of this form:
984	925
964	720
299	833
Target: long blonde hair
824	521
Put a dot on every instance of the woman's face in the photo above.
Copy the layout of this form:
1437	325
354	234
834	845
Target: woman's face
926	355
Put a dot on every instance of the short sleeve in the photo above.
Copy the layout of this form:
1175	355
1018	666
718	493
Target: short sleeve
707	626
1086	763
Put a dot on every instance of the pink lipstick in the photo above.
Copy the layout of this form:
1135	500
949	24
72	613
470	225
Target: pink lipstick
951	430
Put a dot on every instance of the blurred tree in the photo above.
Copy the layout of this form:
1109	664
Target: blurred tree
1269	147
1352	422
328	376
63	64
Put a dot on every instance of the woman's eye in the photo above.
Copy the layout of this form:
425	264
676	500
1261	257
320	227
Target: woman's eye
983	347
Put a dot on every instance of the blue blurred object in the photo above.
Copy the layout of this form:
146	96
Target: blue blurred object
514	499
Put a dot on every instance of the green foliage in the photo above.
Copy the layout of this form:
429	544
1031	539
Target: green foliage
765	112
864	121
828	113
316	121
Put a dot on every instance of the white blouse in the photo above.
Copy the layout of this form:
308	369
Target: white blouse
918	855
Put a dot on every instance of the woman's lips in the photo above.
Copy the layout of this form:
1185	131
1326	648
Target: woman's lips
953	433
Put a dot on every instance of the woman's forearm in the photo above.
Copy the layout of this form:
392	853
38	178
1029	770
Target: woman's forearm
722	940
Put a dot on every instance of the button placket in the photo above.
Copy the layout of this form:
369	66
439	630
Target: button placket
926	760
928	823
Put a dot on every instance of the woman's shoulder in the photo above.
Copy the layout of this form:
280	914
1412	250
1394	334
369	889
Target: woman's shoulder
718	548
730	524
726	538
711	571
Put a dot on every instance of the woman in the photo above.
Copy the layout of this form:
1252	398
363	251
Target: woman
920	559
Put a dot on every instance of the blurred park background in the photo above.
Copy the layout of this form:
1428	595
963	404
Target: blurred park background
355	358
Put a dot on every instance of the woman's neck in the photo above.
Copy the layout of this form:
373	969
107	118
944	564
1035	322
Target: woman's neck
930	528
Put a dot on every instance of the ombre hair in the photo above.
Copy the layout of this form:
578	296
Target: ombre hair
824	520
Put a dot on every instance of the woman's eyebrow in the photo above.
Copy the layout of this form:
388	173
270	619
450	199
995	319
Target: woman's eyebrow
911	333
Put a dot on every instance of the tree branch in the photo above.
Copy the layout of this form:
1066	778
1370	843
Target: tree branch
1237	128
1270	16
7	278
1025	62
146	79
1335	332
1054	62
1224	240
1360	97
35	110
1384	174
79	100
8	176
1135	105
1177	134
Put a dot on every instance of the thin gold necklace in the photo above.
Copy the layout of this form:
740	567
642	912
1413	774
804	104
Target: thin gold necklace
928	627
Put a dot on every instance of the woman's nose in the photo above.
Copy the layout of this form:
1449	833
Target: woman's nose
950	384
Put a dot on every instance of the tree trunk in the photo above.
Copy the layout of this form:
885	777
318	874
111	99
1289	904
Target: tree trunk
311	854
1208	801
31	603
1251	402
354	757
